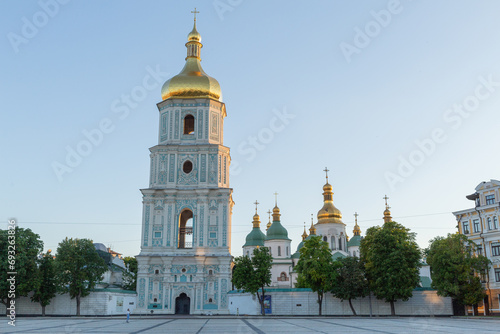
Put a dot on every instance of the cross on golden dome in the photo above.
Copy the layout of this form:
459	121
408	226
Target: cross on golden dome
326	170
194	12
356	217
256	203
386	198
276	199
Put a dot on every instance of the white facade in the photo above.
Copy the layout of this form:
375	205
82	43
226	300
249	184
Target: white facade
481	225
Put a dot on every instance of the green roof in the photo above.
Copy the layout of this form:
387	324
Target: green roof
277	231
425	281
354	241
255	238
296	255
337	255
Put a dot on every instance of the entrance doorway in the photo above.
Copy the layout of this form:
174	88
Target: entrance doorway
182	304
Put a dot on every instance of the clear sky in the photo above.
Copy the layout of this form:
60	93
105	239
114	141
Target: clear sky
394	97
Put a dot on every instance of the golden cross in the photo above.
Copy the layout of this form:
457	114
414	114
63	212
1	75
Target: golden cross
356	217
256	203
326	170
194	12
269	213
386	198
276	199
312	219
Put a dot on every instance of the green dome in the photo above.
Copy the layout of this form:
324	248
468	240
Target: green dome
296	255
277	231
255	238
354	241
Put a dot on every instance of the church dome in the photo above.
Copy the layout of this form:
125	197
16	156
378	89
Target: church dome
192	81
329	213
276	230
255	238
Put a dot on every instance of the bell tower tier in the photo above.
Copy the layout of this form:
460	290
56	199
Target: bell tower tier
184	266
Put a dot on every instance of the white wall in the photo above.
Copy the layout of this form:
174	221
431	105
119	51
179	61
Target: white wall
298	302
97	303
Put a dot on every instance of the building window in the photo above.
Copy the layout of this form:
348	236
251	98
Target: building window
282	277
325	239
210	272
157	234
340	244
213	235
286	250
248	253
497	275
475	223
479	250
189	125
489	223
490	199
495	249
210	300
465	227
185	239
157	272
279	250
495	222
187	167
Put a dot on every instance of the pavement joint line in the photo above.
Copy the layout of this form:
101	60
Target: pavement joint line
371	330
255	329
65	325
313	329
199	331
158	325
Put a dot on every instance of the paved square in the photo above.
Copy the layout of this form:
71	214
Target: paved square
250	325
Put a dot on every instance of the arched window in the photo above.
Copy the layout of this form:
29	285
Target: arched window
210	272
279	250
189	125
209	300
282	277
186	229
332	241
286	250
325	238
187	167
489	223
340	243
157	272
495	222
248	253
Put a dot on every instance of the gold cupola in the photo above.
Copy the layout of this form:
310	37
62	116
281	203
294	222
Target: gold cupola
304	235
192	81
387	212
329	213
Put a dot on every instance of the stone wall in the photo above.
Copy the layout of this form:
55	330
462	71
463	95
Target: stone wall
97	303
303	302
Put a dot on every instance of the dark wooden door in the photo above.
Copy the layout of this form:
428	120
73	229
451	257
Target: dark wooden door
182	304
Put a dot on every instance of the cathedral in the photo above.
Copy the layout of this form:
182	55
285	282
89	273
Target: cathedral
184	266
329	227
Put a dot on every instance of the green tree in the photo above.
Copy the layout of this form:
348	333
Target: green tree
130	275
392	261
19	249
253	274
46	286
455	268
350	282
79	268
315	268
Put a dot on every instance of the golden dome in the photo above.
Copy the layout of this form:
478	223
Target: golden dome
329	213
276	213
256	220
192	81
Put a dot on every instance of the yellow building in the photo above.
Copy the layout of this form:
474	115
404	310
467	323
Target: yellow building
480	224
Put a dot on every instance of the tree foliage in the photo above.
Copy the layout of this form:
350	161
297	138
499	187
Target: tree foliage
350	282
392	261
46	286
79	268
455	268
315	267
26	245
130	275
253	274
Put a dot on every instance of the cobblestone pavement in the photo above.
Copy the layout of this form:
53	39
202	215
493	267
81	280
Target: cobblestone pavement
237	325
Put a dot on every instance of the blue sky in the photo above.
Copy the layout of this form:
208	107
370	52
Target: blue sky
395	97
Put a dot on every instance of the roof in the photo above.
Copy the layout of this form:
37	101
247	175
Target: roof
354	241
277	231
255	238
425	282
337	255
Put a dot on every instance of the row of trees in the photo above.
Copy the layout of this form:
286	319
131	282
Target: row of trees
389	267
75	270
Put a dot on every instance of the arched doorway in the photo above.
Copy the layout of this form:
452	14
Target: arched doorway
185	229
182	304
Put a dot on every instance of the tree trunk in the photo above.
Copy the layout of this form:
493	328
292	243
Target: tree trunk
261	302
320	301
78	304
43	310
352	308
393	311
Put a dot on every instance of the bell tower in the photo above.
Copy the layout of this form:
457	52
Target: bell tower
184	263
